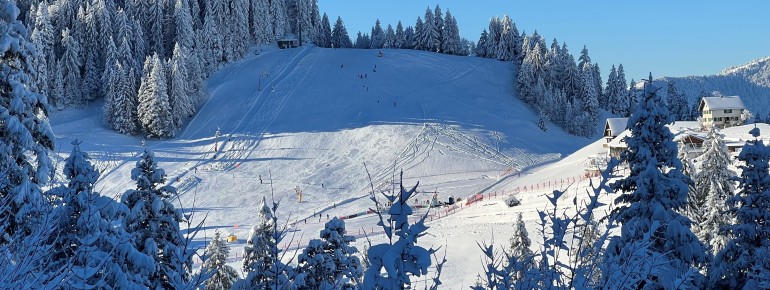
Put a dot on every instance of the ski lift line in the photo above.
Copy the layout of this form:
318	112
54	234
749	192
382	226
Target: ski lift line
185	132
249	147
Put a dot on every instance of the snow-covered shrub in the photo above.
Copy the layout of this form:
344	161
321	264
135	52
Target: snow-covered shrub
331	263
392	265
564	261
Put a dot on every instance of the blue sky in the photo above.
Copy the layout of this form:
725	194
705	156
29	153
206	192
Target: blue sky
668	38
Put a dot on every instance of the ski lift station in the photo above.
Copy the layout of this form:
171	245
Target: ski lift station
289	42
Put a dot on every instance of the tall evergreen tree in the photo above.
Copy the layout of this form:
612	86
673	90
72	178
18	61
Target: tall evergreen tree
25	137
153	223
417	41
400	38
481	45
505	47
377	36
736	266
125	120
261	23
677	103
409	37
326	32
390	38
713	184
590	101
450	43
280	18
439	22
520	249
261	256
429	33
71	69
222	275
181	102
620	103
85	237
633	97
610	91
153	109
651	196
340	38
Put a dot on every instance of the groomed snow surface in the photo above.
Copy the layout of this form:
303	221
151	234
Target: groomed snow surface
316	119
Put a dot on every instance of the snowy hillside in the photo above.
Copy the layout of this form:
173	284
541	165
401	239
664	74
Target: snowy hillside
751	81
312	118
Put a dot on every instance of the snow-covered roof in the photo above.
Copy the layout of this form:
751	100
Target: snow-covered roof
618	141
722	103
616	126
741	133
680	129
684	126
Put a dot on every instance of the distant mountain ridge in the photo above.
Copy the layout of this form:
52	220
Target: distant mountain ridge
750	81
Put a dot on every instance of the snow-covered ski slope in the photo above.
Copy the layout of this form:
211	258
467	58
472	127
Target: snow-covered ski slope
312	117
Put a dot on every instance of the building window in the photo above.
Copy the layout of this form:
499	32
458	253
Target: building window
718	119
728	111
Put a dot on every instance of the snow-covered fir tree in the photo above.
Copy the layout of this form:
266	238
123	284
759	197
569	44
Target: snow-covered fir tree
651	196
589	97
519	249
439	22
481	45
331	262
85	238
261	255
409	37
736	266
25	144
714	183
417	41
182	102
71	69
677	103
429	38
261	25
325	36
400	38
390	37
153	109
377	36
340	37
506	46
610	91
280	18
210	40
222	276
619	104
124	101
27	137
153	223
